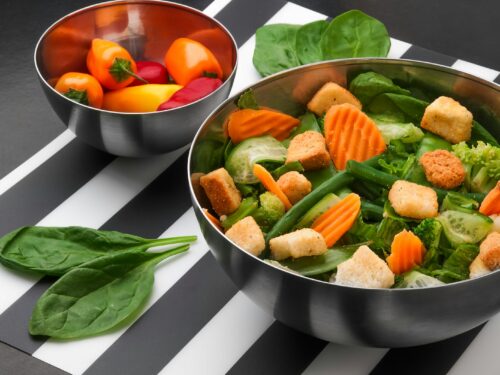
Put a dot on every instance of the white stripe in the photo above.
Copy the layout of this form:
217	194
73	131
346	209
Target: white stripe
91	206
398	48
76	356
475	69
35	161
345	360
480	357
215	7
223	340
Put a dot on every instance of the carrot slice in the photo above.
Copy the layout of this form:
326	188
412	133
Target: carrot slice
338	219
212	218
270	184
491	203
247	123
351	135
407	251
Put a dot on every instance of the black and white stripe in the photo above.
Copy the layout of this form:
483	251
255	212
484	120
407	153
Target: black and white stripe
196	320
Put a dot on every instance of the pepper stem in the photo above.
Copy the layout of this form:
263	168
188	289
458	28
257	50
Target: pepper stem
79	96
122	69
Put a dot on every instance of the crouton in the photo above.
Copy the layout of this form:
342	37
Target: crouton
331	94
301	243
478	268
443	169
295	186
309	149
489	251
449	119
247	235
224	197
198	190
364	270
413	200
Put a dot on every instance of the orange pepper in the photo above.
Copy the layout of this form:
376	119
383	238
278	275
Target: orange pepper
143	98
111	64
187	59
81	87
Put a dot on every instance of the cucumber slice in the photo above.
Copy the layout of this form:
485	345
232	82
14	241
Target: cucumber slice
415	279
318	209
460	227
241	159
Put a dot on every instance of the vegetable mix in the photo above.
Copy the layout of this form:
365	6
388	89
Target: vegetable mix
371	187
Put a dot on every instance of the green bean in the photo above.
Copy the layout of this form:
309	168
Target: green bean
480	133
369	174
371	211
300	208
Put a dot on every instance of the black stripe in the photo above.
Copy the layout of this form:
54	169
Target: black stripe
437	358
280	350
422	54
170	323
49	185
497	80
152	211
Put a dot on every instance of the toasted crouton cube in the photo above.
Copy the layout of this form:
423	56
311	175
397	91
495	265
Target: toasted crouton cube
221	191
449	119
247	234
301	243
478	268
443	169
489	251
413	200
295	186
309	149
331	94
364	270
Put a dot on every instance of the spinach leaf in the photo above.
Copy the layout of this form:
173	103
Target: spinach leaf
396	104
456	267
307	43
247	100
355	34
56	250
293	166
307	122
98	295
367	86
318	176
275	48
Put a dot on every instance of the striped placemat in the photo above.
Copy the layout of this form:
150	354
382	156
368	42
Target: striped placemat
196	321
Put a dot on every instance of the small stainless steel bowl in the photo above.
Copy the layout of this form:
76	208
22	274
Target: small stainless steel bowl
146	28
371	317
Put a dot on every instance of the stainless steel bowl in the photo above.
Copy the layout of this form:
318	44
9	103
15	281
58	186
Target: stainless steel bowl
371	317
146	28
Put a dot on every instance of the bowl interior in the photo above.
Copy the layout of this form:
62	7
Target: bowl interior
145	28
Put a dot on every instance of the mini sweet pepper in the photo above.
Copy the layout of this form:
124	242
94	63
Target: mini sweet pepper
144	98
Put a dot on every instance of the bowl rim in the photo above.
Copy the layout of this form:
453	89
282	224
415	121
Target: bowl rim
317	65
134	2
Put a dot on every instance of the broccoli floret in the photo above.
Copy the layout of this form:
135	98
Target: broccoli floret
429	231
270	211
482	164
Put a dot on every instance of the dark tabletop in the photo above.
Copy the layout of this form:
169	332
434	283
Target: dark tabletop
463	29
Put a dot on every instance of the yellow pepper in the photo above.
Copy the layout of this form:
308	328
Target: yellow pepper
143	98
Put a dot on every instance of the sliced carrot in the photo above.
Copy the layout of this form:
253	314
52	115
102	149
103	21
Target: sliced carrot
270	184
212	218
407	251
491	203
338	219
351	135
247	123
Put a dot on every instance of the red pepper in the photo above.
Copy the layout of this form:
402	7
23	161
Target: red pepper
150	71
194	90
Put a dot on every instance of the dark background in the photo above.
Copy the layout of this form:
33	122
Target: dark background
463	29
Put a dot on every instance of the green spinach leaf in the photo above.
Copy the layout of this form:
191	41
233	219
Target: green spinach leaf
247	100
98	295
307	42
56	250
367	86
355	34
275	48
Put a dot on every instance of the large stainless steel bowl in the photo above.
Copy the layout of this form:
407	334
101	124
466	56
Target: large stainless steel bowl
146	28
372	317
